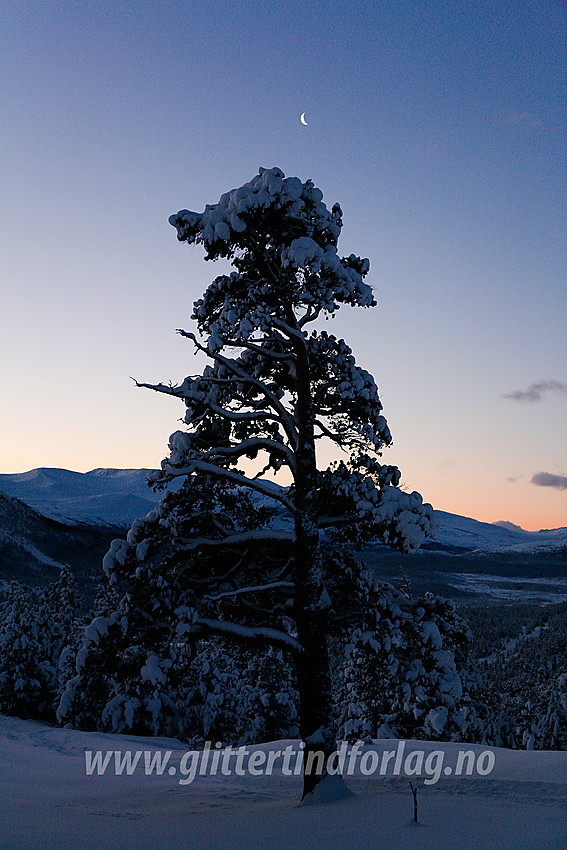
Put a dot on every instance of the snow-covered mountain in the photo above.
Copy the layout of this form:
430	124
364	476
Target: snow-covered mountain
22	532
462	533
33	547
116	497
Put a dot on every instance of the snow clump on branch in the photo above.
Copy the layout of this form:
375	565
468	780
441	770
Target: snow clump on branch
282	227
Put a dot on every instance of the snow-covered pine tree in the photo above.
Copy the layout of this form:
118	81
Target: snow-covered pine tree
24	676
239	695
57	616
274	388
36	630
155	578
407	672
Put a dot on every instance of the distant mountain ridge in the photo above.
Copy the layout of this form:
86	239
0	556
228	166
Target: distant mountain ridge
110	497
116	497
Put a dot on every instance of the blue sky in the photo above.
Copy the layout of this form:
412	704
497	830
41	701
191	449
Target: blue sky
440	129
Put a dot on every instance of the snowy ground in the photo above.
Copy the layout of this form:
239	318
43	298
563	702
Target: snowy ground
519	589
48	801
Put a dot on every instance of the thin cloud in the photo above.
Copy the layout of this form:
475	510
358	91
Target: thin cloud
522	119
535	392
548	479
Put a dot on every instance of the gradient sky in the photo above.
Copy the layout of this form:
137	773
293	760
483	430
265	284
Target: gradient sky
439	127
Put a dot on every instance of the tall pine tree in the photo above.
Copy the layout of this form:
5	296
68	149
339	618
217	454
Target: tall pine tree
231	554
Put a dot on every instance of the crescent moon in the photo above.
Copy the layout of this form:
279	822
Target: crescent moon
302	118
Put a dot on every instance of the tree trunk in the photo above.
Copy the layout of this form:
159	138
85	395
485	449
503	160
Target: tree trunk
314	683
311	599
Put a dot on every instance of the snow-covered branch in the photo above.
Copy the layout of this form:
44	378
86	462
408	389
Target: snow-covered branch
247	446
259	588
289	331
260	536
243	416
283	415
259	349
223	628
171	472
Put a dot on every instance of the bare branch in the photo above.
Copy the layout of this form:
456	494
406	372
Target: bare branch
336	438
326	521
309	316
287	568
221	579
262	472
168	389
